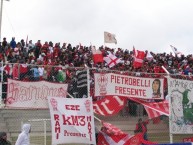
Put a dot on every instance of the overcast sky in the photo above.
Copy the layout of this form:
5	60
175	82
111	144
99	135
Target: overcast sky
151	25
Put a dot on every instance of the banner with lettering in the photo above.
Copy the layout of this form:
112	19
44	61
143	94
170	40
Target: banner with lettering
109	106
123	85
21	94
181	104
72	120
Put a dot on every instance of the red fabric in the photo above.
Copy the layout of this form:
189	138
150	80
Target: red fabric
104	139
110	105
7	69
97	58
138	58
15	72
111	129
154	109
156	69
97	55
56	52
23	68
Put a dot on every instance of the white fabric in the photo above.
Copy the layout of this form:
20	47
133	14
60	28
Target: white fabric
23	138
109	38
72	120
41	71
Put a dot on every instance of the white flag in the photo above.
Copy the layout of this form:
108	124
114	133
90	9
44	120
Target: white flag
149	56
109	38
178	53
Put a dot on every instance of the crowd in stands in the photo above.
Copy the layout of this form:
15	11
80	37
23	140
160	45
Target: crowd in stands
47	61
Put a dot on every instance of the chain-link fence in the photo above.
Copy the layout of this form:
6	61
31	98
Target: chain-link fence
77	80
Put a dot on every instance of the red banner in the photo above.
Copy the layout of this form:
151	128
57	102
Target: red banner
124	139
110	105
154	109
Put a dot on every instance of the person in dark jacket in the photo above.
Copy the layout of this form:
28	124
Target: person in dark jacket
13	43
3	139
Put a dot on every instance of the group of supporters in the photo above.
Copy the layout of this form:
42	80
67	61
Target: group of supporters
47	61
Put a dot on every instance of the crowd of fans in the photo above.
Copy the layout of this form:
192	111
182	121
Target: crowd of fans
47	61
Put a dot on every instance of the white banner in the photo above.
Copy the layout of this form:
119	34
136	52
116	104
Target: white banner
123	85
72	120
21	94
181	106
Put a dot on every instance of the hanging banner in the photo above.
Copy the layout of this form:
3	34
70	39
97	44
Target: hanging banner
123	85
72	120
109	106
22	94
181	102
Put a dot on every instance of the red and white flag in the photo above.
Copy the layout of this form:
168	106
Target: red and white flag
154	109
112	60
149	57
111	129
97	55
109	38
111	135
109	106
138	58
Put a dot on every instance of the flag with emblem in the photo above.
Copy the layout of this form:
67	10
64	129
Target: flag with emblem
109	38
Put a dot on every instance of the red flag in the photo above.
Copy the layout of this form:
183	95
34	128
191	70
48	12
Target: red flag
154	109
97	55
111	129
112	135
112	60
124	139
138	58
110	105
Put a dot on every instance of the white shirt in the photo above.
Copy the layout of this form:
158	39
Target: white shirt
41	71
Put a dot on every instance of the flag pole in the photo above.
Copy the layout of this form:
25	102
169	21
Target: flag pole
170	111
